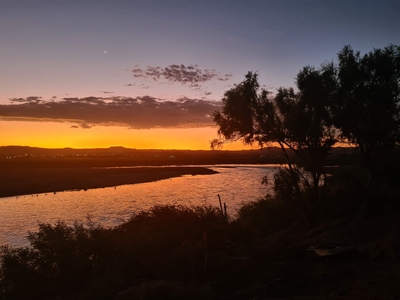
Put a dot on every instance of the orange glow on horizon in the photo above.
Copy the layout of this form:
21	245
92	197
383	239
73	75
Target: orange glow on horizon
61	135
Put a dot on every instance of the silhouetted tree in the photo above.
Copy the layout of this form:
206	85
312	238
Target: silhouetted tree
366	104
299	122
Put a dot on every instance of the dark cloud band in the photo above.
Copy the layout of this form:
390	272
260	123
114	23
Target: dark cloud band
138	113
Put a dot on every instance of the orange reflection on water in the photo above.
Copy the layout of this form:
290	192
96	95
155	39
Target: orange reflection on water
110	206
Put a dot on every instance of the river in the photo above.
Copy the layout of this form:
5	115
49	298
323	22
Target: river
236	184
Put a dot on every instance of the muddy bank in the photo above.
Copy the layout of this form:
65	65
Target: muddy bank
24	181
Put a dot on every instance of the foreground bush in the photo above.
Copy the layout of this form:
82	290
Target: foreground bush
266	216
166	242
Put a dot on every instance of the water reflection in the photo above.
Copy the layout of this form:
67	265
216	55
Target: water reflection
110	206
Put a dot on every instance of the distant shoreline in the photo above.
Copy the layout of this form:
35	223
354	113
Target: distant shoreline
26	170
27	181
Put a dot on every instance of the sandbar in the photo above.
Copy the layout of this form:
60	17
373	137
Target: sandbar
25	181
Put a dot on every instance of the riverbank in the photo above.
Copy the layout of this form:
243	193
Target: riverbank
28	179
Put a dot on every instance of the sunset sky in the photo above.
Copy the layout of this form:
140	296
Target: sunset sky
147	74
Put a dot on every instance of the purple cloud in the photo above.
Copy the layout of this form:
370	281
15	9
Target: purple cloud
191	74
139	112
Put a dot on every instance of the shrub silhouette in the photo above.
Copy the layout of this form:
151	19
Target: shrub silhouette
164	242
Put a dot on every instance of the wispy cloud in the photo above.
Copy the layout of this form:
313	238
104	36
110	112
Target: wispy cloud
139	112
31	99
191	75
106	92
82	125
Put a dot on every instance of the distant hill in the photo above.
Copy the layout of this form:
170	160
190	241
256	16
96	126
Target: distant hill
20	150
340	155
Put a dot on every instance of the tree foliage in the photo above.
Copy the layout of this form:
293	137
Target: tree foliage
356	100
299	122
366	102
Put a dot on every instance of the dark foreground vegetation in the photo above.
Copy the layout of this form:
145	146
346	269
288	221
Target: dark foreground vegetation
315	236
269	251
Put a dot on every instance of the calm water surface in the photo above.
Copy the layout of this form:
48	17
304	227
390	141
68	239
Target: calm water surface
110	206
